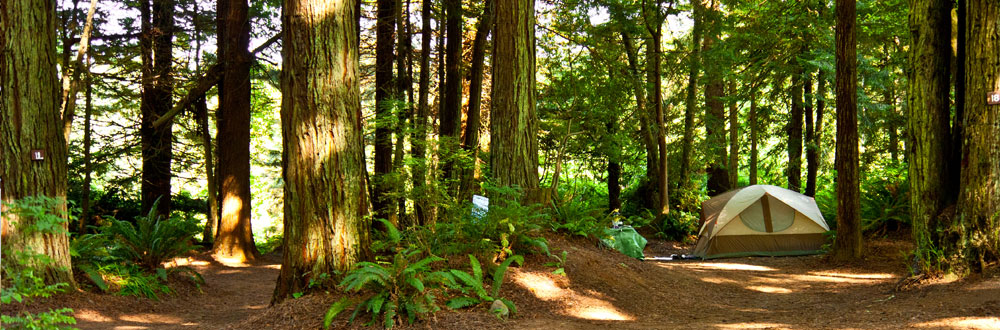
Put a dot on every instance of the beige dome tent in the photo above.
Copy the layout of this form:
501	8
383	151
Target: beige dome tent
760	220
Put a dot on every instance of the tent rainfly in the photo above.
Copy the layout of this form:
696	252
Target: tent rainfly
760	220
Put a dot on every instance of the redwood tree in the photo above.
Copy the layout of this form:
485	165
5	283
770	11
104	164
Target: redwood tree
715	113
979	200
234	237
156	47
848	243
325	197
30	119
928	122
385	93
514	123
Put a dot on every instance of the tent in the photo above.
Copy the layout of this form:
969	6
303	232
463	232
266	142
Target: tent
760	220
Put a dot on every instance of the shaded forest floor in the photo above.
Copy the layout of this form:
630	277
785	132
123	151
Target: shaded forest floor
602	289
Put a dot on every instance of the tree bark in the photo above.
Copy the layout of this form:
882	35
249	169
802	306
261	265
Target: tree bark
754	122
954	163
655	30
212	216
71	76
734	128
640	100
234	238
848	244
403	89
816	143
810	138
514	123
156	43
325	197
385	95
715	129
451	115
418	143
928	121
30	119
472	125
794	170
88	112
691	100
979	201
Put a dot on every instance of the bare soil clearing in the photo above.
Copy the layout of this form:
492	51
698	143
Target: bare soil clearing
602	289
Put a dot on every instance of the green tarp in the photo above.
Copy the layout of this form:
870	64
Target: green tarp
625	240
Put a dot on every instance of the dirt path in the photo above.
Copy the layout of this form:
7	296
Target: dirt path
601	290
231	293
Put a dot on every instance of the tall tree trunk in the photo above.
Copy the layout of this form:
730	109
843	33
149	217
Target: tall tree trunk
384	98
71	72
472	125
212	216
954	163
88	112
794	170
848	243
418	144
715	114
451	115
403	89
514	123
691	100
614	167
234	238
156	43
30	119
640	100
325	196
979	201
810	135
754	132
813	151
385	95
928	123
734	142
663	197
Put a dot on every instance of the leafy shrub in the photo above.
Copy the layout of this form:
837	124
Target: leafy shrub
151	240
677	226
131	280
269	241
22	281
472	287
885	200
579	218
398	287
53	319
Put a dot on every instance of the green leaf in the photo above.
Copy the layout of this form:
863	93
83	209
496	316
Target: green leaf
391	231
376	303
559	271
498	274
510	305
477	269
416	283
334	310
390	315
462	302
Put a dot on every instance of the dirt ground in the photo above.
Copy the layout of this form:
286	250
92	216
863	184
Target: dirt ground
601	289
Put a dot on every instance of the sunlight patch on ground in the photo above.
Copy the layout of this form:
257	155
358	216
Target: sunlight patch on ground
185	261
839	279
601	313
91	315
151	318
769	289
274	266
855	276
238	262
541	285
962	323
753	326
728	266
719	280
